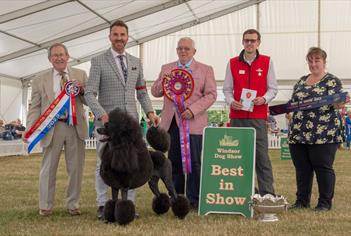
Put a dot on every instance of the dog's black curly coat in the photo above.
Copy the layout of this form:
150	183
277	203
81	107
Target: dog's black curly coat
158	139
126	163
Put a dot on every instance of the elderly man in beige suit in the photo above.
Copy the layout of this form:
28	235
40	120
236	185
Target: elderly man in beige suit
45	88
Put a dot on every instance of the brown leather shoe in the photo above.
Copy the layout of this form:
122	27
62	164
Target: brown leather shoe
74	212
45	212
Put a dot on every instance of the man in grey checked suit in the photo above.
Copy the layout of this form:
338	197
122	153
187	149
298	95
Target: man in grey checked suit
115	77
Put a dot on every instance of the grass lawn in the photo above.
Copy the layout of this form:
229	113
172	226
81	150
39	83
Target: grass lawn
19	206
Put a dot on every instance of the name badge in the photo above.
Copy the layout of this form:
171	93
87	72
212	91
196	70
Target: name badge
241	72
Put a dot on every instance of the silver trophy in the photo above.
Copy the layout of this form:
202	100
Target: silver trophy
266	207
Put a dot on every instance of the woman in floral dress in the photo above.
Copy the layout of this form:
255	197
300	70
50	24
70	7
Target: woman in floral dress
315	134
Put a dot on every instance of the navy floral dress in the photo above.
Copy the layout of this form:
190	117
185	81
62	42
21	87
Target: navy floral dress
319	125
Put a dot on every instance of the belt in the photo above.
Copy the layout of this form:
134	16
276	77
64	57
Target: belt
63	120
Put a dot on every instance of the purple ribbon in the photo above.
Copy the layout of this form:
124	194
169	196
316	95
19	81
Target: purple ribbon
183	134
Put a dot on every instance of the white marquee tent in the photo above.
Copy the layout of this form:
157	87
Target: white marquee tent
288	27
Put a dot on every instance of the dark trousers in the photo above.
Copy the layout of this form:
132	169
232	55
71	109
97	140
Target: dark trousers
263	164
174	154
318	158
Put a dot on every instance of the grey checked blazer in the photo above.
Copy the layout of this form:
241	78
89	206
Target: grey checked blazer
106	82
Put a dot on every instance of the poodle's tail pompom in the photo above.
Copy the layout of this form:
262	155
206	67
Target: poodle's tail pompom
158	158
109	211
161	204
181	207
124	212
158	139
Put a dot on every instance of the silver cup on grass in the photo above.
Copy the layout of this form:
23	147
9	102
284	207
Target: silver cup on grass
266	207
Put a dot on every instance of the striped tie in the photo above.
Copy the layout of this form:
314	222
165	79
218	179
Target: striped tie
123	66
62	86
63	80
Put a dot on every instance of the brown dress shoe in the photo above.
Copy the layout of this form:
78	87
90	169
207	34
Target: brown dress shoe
74	212
45	212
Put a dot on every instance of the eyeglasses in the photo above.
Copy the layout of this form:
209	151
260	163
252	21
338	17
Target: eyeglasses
58	55
183	49
247	41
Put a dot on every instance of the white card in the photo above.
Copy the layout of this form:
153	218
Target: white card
247	95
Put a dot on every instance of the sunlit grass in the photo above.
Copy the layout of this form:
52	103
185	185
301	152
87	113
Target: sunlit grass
19	206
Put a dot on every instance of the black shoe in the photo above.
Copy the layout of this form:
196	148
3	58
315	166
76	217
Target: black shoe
100	213
322	208
299	205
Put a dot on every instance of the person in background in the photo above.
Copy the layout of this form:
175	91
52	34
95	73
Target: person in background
2	128
348	130
315	134
203	96
254	71
18	129
45	88
91	124
272	125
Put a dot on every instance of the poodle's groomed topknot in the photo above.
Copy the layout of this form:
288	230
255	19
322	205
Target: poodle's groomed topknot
158	139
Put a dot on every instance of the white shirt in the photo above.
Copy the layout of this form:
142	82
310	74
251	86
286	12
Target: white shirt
56	77
118	63
272	85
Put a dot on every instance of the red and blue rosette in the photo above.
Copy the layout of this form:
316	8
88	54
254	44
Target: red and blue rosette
64	101
178	86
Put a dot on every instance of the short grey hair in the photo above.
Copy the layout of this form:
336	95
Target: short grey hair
187	38
57	45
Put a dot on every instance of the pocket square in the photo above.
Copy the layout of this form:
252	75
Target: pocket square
134	68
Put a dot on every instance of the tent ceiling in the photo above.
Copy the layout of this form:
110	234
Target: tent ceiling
29	27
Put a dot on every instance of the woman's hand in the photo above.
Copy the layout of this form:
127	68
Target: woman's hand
342	104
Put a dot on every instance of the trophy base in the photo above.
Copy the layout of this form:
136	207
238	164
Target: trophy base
267	217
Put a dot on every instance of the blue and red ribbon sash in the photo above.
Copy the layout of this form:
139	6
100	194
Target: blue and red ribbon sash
178	86
64	101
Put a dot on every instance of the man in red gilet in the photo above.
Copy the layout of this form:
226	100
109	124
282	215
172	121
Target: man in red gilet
249	85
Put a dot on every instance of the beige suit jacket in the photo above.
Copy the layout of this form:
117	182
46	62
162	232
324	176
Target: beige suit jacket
43	96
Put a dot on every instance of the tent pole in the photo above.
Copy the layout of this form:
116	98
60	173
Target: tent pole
25	87
258	16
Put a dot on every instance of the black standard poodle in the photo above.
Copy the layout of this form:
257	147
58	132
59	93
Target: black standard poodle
126	163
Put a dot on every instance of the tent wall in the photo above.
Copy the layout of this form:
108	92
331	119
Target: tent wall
216	41
10	99
288	28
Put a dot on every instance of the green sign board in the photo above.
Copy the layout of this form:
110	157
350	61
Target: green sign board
284	149
227	174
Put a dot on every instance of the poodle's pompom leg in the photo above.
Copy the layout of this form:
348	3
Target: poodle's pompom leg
161	204
124	212
180	207
124	193
158	138
109	211
153	184
114	194
166	176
